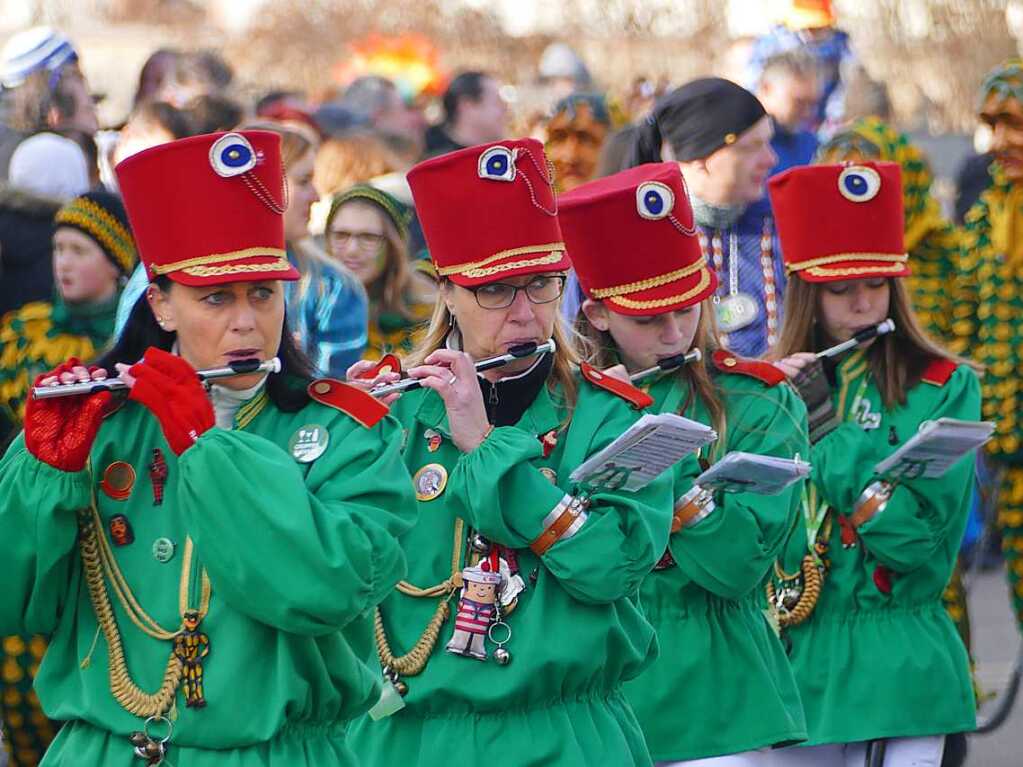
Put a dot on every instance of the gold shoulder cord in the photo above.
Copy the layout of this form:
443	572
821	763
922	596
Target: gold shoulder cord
101	566
414	661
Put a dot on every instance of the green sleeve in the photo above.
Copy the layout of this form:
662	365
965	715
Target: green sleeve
916	522
498	491
843	465
38	531
306	554
730	552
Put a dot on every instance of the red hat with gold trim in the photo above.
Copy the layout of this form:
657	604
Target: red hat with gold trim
841	222
489	212
209	209
633	241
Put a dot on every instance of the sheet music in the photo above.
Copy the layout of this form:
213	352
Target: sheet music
648	447
740	472
935	448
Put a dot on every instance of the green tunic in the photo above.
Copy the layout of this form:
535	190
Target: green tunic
872	664
577	631
297	554
722	683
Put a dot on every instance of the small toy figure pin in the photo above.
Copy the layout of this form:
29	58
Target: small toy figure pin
477	611
549	442
158	475
190	647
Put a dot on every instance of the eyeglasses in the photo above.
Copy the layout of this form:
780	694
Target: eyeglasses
539	290
364	241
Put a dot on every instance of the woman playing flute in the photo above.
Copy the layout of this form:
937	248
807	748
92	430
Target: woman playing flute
721	691
513	633
878	659
205	563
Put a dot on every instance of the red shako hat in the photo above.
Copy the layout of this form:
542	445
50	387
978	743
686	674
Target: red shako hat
209	209
489	212
841	222
633	241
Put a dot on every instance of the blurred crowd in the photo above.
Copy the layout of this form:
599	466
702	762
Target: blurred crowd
69	270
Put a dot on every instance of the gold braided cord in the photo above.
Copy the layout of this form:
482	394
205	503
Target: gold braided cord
553	258
856	271
808	597
651	282
414	661
279	265
629	303
840	257
101	566
444	271
217	258
129	695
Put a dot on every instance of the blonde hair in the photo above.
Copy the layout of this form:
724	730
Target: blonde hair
897	360
342	163
601	351
566	360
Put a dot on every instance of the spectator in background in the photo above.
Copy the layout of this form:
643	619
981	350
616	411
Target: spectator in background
377	100
576	133
46	171
212	112
809	26
194	74
562	72
474	113
367	232
152	124
93	253
789	89
343	162
44	89
159	67
327	306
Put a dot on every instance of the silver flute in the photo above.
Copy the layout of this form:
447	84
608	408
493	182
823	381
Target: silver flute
520	352
668	363
240	368
880	329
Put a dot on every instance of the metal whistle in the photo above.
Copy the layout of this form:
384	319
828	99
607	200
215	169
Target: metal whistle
882	328
520	352
668	363
242	367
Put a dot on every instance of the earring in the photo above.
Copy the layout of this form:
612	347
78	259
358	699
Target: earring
451	319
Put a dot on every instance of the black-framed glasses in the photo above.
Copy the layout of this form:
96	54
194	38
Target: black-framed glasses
539	290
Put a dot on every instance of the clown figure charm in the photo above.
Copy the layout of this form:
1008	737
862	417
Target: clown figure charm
478	610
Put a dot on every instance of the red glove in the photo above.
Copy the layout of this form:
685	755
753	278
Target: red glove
170	388
60	431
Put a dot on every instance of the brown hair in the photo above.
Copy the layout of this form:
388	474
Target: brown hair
296	139
601	351
32	101
354	159
566	359
401	284
897	360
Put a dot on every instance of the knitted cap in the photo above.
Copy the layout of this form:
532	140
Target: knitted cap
102	217
399	214
34	49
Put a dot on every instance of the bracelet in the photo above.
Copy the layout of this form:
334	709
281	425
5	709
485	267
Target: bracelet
693	507
563	521
871	502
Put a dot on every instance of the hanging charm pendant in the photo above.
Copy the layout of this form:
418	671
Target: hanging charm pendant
152	750
477	610
191	646
736	311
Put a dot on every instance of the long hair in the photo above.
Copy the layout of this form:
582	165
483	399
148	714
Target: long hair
401	285
565	357
897	360
602	352
286	389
